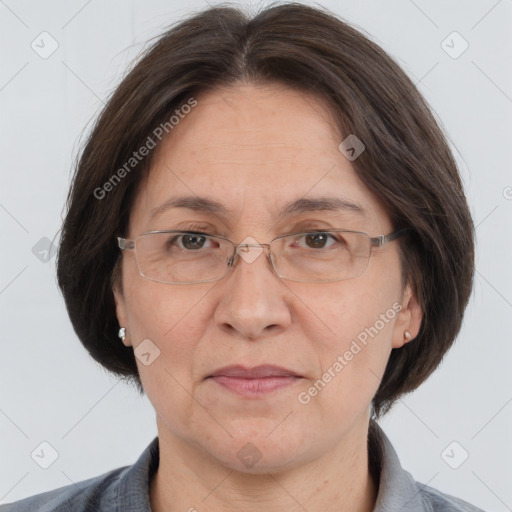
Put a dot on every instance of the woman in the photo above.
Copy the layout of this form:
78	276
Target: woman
268	235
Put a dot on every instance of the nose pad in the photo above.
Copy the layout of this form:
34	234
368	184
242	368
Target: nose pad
249	250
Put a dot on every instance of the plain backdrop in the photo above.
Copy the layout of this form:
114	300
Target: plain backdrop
51	391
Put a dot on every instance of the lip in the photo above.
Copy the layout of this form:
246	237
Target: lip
258	372
254	382
254	387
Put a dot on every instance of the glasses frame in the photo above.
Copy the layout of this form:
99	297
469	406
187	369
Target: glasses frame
126	244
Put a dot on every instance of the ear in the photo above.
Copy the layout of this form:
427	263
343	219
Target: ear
409	319
121	311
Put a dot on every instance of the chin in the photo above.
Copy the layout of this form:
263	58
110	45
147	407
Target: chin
264	452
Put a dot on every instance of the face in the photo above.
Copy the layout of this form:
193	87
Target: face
253	150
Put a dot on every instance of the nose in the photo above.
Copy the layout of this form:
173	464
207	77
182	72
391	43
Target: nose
253	302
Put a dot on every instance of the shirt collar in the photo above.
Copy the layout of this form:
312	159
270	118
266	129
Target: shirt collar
398	491
133	490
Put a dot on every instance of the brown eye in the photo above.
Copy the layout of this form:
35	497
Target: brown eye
316	240
193	242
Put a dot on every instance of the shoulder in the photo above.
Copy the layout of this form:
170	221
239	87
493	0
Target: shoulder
125	488
437	501
398	490
98	493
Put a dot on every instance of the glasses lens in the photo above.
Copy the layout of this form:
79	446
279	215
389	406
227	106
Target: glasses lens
321	256
182	257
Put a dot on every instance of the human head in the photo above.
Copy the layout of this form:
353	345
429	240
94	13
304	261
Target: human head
407	164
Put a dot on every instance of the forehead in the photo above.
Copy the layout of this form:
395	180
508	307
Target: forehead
256	149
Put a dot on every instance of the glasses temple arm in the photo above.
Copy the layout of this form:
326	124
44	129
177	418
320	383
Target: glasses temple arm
125	244
381	240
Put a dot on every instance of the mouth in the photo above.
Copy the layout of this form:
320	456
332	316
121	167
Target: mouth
254	382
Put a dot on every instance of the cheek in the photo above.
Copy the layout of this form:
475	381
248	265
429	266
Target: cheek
340	312
351	324
173	317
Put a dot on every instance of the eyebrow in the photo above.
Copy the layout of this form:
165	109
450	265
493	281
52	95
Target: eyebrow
302	205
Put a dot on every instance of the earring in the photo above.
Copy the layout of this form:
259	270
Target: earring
122	333
407	335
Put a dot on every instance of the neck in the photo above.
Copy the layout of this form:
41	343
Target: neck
188	479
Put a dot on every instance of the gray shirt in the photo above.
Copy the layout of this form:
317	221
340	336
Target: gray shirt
127	489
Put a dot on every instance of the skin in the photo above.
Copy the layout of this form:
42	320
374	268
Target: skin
254	148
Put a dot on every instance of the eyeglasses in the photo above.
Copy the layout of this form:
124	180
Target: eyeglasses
189	257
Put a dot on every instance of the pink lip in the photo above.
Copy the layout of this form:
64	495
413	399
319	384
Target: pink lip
256	381
258	372
254	387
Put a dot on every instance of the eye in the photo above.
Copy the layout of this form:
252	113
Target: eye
317	240
191	241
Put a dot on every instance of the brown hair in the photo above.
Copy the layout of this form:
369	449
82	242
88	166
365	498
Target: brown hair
407	163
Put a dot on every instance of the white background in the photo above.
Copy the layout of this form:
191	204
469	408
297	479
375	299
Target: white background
51	390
